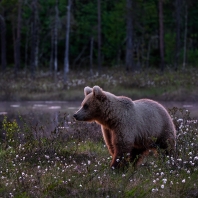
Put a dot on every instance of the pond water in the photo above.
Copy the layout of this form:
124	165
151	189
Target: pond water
44	107
190	106
48	114
53	112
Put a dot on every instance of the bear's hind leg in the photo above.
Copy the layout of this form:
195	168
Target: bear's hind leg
168	146
136	156
168	149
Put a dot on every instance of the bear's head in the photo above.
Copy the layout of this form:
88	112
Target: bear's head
92	104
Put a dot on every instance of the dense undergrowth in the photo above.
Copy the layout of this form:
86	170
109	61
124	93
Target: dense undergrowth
180	85
72	161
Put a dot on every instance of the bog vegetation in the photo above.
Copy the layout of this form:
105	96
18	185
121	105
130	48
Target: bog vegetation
73	161
179	86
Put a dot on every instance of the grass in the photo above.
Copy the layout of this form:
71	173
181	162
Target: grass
180	85
74	162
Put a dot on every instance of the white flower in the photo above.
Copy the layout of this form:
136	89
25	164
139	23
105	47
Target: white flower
164	180
162	173
162	186
183	181
196	158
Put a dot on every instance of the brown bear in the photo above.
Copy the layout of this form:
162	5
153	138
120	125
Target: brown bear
130	128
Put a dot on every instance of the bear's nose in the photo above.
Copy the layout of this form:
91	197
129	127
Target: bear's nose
75	116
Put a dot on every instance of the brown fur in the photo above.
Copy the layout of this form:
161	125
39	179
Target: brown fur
129	127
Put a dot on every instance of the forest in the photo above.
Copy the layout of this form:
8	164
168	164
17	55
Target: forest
59	35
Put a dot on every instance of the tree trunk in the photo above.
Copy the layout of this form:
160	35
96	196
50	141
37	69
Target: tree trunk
56	41
33	39
129	36
178	27
26	48
149	50
17	40
91	55
185	35
161	35
66	59
14	47
79	56
52	50
3	43
36	35
118	59
99	35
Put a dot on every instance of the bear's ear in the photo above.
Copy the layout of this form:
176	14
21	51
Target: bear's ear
98	93
87	90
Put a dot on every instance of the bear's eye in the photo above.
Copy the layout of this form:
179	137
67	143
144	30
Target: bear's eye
85	106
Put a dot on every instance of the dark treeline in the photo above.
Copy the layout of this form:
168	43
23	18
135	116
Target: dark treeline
73	34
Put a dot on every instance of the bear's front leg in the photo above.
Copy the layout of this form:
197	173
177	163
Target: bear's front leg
108	140
119	157
115	163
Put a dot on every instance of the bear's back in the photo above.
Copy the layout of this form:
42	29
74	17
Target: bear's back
152	117
150	108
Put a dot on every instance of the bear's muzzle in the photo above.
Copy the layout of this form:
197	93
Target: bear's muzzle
75	116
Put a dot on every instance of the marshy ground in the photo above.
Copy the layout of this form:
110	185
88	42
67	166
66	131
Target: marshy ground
170	86
73	161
